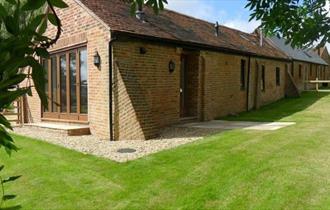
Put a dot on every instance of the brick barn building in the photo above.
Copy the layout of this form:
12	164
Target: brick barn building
305	64
127	77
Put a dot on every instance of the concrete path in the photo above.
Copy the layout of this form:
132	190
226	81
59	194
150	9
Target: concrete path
229	125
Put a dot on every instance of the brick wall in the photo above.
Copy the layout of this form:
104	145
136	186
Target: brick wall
222	92
272	92
313	73
81	27
326	57
146	94
300	73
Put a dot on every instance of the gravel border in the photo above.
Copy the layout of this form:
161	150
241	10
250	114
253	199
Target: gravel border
171	137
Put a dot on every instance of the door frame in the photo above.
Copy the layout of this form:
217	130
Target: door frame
58	115
189	94
182	85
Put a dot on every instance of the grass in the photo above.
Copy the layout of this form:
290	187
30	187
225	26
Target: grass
284	169
293	109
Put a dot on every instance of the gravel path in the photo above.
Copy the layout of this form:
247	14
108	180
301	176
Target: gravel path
171	137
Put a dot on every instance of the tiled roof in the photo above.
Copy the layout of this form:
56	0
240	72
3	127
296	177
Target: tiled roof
173	26
316	58
295	53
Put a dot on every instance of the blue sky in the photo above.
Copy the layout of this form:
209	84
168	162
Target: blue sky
227	12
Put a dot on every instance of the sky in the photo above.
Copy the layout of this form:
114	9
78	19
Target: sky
230	13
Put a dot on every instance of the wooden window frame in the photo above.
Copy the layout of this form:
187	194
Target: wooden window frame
263	78
243	74
278	76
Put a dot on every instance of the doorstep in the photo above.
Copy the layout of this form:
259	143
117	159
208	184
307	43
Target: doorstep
70	129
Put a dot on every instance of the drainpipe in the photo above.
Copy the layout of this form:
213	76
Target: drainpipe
111	86
248	84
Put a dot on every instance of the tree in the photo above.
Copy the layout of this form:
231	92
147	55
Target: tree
301	22
157	5
22	41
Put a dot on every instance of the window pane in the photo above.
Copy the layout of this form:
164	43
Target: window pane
63	83
263	85
242	74
278	78
73	83
83	82
54	84
45	65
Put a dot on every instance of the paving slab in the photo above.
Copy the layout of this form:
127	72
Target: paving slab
229	125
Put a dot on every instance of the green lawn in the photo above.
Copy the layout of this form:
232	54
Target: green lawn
284	169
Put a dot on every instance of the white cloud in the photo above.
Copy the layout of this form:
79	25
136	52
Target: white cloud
243	25
327	7
203	10
327	45
197	8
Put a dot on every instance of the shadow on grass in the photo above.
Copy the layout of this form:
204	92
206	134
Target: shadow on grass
280	109
12	207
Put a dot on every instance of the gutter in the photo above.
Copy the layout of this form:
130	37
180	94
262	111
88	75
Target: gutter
113	39
248	84
304	61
